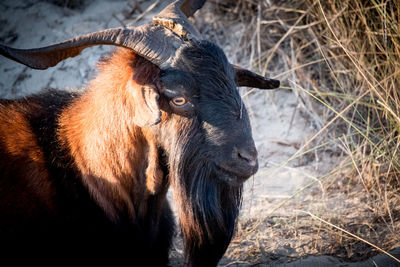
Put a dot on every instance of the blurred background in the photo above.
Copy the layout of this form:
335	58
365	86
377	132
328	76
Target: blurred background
328	139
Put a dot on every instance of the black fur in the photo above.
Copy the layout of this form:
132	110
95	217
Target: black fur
208	205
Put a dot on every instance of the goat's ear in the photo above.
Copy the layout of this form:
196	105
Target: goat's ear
147	110
244	77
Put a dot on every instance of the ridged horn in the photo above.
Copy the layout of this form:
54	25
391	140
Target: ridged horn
153	42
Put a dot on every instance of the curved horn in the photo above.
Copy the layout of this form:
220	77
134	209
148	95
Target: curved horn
189	7
174	17
248	78
153	42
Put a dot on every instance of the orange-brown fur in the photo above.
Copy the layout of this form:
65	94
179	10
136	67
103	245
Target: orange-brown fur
107	146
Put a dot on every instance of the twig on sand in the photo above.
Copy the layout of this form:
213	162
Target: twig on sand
347	232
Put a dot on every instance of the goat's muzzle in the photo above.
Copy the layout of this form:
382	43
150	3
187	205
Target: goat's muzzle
240	166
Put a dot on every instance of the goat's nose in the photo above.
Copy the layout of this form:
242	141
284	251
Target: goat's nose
248	155
242	164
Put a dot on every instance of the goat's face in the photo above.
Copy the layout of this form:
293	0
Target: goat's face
206	115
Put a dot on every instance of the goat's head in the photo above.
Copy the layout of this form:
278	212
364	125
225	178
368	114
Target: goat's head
201	94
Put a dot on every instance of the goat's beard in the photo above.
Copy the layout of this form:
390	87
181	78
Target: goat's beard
207	206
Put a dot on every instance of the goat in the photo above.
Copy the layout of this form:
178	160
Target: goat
86	174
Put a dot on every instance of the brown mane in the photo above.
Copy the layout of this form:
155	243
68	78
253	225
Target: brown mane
108	161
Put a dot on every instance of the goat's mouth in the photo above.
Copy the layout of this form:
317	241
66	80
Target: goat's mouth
231	177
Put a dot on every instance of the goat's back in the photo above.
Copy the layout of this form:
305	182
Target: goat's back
41	196
26	192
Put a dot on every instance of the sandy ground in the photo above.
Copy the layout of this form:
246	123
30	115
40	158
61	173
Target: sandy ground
280	127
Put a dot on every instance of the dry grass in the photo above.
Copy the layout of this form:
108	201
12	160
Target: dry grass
342	60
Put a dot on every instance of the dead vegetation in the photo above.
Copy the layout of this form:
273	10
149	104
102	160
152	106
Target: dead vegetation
342	61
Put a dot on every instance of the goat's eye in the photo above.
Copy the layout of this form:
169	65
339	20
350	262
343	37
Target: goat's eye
179	101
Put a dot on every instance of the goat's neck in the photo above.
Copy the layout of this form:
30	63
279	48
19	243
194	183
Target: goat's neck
108	149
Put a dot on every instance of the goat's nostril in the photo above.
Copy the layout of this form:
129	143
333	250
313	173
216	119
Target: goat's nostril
248	155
